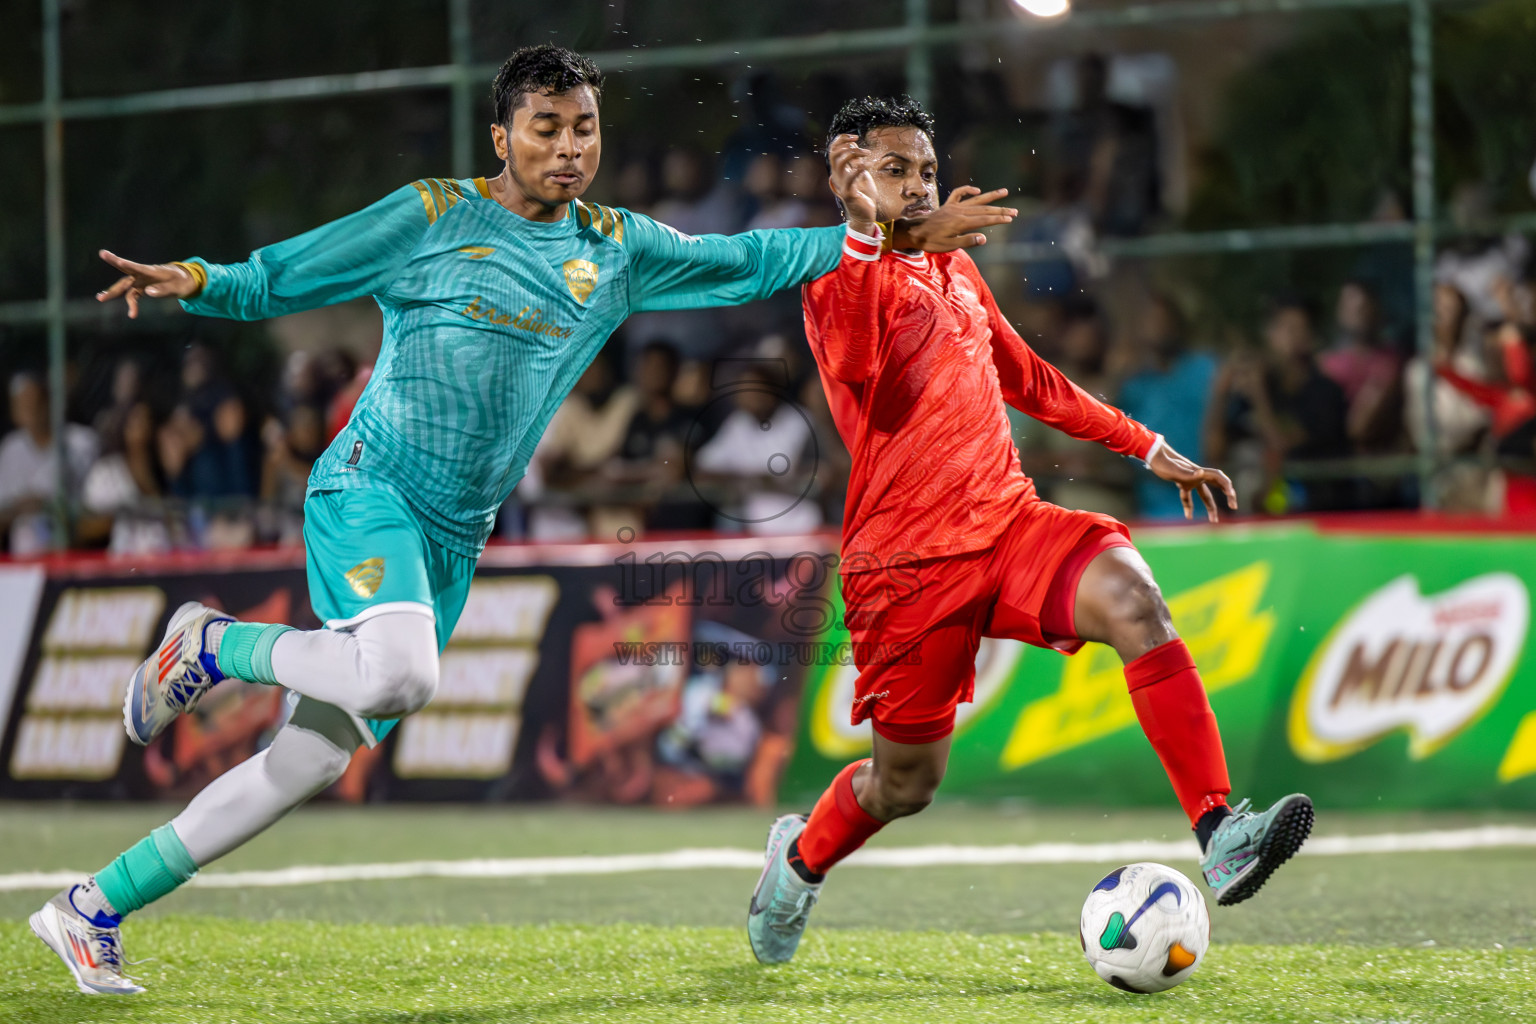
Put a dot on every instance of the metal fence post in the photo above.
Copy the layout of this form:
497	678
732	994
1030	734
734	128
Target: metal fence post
461	53
1421	45
53	201
919	57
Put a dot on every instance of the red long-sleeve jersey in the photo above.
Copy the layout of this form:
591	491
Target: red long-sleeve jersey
917	363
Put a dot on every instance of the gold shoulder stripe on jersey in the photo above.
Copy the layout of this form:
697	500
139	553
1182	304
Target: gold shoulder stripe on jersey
605	219
477	252
426	200
436	186
482	188
365	577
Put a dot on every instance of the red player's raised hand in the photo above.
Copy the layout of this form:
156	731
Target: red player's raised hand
1193	479
155	280
957	224
852	182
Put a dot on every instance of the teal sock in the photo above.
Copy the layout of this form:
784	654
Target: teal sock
245	651
151	868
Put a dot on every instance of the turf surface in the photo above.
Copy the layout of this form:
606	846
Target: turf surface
1404	937
219	970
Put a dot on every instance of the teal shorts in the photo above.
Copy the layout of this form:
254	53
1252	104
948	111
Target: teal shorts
366	554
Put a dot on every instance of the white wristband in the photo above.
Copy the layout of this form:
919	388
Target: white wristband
1157	443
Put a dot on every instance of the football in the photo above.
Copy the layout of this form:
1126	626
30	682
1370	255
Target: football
1144	928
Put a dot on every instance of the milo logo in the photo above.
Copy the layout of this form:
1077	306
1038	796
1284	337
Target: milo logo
1400	660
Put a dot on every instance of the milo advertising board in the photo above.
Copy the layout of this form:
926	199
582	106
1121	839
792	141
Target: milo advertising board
1367	670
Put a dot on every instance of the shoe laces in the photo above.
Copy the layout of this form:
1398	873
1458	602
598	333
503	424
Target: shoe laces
793	913
184	694
108	943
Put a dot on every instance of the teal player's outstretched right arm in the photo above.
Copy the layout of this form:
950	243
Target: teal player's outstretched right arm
357	255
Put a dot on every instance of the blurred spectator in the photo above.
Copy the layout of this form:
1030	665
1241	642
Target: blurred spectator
339	413
760	453
769	124
632	188
1278	407
995	149
651	457
653	441
784	192
1111	150
1509	395
1172	395
1365	365
689	201
1073	473
220	464
1458	420
1475	265
291	451
127	390
121	491
28	480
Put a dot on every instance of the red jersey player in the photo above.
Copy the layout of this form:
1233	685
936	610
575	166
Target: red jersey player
946	541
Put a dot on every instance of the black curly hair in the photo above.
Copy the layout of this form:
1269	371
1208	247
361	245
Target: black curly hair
862	116
537	68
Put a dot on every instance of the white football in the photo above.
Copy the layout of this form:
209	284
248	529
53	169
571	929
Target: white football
1144	928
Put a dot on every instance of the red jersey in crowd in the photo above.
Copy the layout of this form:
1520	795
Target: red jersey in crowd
917	363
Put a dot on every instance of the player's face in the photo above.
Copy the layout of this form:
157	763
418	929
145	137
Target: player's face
906	172
553	145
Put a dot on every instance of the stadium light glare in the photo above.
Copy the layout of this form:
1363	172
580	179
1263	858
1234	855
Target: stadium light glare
1044	8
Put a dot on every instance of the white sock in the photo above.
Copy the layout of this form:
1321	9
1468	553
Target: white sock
90	900
213	635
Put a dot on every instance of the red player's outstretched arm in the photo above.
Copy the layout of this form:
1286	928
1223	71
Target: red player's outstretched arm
842	311
1032	385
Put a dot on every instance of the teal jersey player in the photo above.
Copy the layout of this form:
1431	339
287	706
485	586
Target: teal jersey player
489	318
496	295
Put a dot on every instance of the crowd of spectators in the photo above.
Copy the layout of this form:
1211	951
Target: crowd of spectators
198	471
716	419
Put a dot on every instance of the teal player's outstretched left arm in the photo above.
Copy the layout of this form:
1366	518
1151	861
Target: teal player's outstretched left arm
671	270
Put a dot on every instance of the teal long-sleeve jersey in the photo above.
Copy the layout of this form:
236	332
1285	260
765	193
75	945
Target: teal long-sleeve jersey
489	318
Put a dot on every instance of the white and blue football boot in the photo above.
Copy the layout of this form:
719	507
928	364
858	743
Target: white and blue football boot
90	946
175	676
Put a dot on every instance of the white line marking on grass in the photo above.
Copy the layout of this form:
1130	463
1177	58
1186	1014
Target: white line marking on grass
1485	837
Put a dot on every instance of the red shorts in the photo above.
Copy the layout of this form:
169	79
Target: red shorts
916	627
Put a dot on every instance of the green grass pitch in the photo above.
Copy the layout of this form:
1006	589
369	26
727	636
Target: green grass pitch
1402	937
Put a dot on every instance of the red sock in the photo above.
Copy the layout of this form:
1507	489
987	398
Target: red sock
1176	716
838	825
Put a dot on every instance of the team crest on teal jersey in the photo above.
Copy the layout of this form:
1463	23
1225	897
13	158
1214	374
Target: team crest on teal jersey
580	278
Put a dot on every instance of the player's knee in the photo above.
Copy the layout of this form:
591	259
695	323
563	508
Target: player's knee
303	762
1139	619
399	684
908	793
